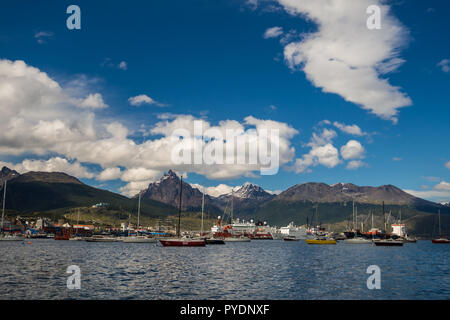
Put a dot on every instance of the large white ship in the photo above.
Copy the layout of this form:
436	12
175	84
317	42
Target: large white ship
293	231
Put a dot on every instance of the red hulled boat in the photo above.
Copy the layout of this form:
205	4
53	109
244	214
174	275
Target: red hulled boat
441	239
182	241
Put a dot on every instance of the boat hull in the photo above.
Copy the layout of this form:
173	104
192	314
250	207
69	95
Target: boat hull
182	243
232	239
389	243
214	241
314	241
139	240
441	241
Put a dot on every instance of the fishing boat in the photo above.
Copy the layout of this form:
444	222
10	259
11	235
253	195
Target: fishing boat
182	241
138	238
5	236
441	239
357	239
320	241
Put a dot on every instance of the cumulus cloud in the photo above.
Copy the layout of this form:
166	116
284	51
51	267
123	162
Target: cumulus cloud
143	99
214	191
109	174
355	164
350	129
352	150
273	32
42	118
345	57
55	164
94	101
322	152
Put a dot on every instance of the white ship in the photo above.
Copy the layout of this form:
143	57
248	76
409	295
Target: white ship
293	231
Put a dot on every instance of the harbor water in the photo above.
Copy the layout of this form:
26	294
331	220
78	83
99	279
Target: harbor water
261	269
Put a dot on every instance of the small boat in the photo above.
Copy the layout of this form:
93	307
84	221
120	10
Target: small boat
237	239
320	241
409	240
101	238
358	240
7	236
11	237
214	241
441	239
181	241
76	238
388	242
139	239
291	238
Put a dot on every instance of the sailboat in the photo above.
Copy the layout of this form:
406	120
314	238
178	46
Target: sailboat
357	239
182	241
386	242
320	237
3	236
441	238
211	240
137	238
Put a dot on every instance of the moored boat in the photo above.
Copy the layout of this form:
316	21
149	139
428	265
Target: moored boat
101	238
358	240
214	241
139	239
388	242
181	241
291	238
237	239
441	239
320	241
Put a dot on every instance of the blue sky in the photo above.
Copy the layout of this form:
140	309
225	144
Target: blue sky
210	60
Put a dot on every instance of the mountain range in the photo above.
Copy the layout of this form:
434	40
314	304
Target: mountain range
43	191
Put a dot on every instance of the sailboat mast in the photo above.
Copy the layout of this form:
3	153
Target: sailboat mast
353	216
203	208
439	217
139	210
232	204
4	201
179	208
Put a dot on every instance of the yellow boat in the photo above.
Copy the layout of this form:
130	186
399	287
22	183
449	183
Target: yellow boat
320	241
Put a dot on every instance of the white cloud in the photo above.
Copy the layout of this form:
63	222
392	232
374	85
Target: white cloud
397	159
352	150
109	174
214	191
322	152
123	65
41	36
445	65
345	57
439	193
350	129
94	101
39	117
133	188
448	165
55	164
443	186
273	32
355	164
143	99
